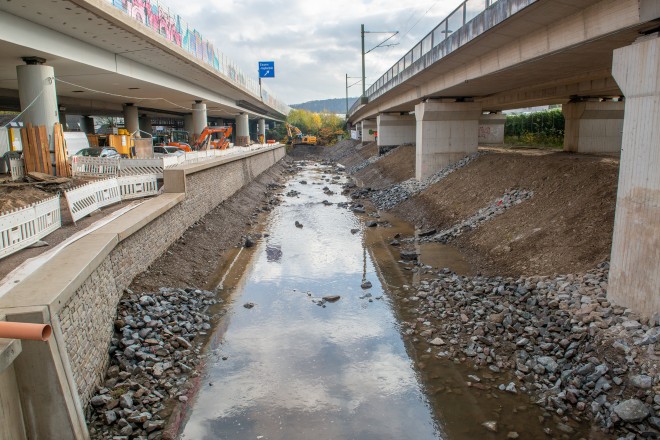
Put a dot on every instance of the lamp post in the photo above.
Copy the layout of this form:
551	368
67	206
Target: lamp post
381	44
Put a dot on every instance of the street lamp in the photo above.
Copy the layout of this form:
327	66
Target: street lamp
381	44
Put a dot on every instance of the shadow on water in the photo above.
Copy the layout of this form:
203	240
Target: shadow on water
294	366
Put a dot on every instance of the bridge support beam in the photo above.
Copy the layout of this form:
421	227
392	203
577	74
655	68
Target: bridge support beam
446	133
199	119
261	130
394	130
593	126
634	279
131	120
37	94
242	130
491	129
369	126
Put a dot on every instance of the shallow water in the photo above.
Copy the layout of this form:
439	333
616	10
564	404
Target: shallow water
293	367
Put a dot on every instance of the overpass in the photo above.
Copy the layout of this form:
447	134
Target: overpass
599	58
121	58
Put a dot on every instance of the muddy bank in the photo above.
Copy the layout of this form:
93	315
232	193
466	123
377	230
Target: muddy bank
192	260
565	227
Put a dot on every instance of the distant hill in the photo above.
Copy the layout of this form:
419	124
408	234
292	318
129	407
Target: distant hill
337	105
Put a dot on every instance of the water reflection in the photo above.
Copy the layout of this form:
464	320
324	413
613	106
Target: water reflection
292	369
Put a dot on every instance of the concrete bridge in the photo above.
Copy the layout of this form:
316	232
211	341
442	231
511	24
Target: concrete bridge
122	58
599	58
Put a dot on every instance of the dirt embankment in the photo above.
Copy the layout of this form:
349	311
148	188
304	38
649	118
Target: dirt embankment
192	260
565	227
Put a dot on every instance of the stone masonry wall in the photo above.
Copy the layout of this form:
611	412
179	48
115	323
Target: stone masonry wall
87	319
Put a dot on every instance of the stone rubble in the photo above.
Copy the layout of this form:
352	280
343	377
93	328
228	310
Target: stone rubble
510	199
577	355
154	352
387	198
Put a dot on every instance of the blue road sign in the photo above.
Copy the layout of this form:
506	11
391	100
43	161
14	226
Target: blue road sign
266	69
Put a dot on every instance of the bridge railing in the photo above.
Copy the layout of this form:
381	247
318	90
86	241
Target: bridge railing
427	51
158	17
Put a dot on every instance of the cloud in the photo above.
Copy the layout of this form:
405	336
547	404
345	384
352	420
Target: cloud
314	44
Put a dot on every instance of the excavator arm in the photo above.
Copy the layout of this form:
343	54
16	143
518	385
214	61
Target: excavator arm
205	141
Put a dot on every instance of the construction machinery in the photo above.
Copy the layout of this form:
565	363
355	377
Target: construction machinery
181	139
297	138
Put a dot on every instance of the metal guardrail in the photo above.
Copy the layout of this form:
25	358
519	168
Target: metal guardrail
24	226
158	17
417	59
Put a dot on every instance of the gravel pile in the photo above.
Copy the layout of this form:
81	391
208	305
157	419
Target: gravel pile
152	360
576	354
510	199
343	149
389	197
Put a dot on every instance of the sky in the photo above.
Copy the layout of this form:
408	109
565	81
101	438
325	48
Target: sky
314	43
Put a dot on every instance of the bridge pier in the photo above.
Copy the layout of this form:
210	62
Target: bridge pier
491	129
369	125
37	94
131	120
446	133
145	124
242	130
199	120
395	129
261	130
593	126
634	279
87	124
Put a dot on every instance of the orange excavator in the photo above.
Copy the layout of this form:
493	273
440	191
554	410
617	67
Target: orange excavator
205	141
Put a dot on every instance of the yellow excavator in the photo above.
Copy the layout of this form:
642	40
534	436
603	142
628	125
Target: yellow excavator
297	138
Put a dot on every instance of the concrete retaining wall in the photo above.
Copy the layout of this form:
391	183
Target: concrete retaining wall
78	290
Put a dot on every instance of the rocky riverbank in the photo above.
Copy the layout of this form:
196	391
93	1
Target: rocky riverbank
154	354
579	356
557	338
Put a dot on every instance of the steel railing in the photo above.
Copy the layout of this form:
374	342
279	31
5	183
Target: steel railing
417	59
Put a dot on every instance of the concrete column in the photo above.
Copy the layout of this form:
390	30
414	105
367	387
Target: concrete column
188	124
634	279
87	124
394	130
491	129
242	130
261	130
61	116
369	127
593	126
446	133
199	119
145	124
131	121
38	97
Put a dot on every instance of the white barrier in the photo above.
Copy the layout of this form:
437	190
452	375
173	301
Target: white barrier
107	167
133	167
22	227
94	166
133	187
85	199
16	168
